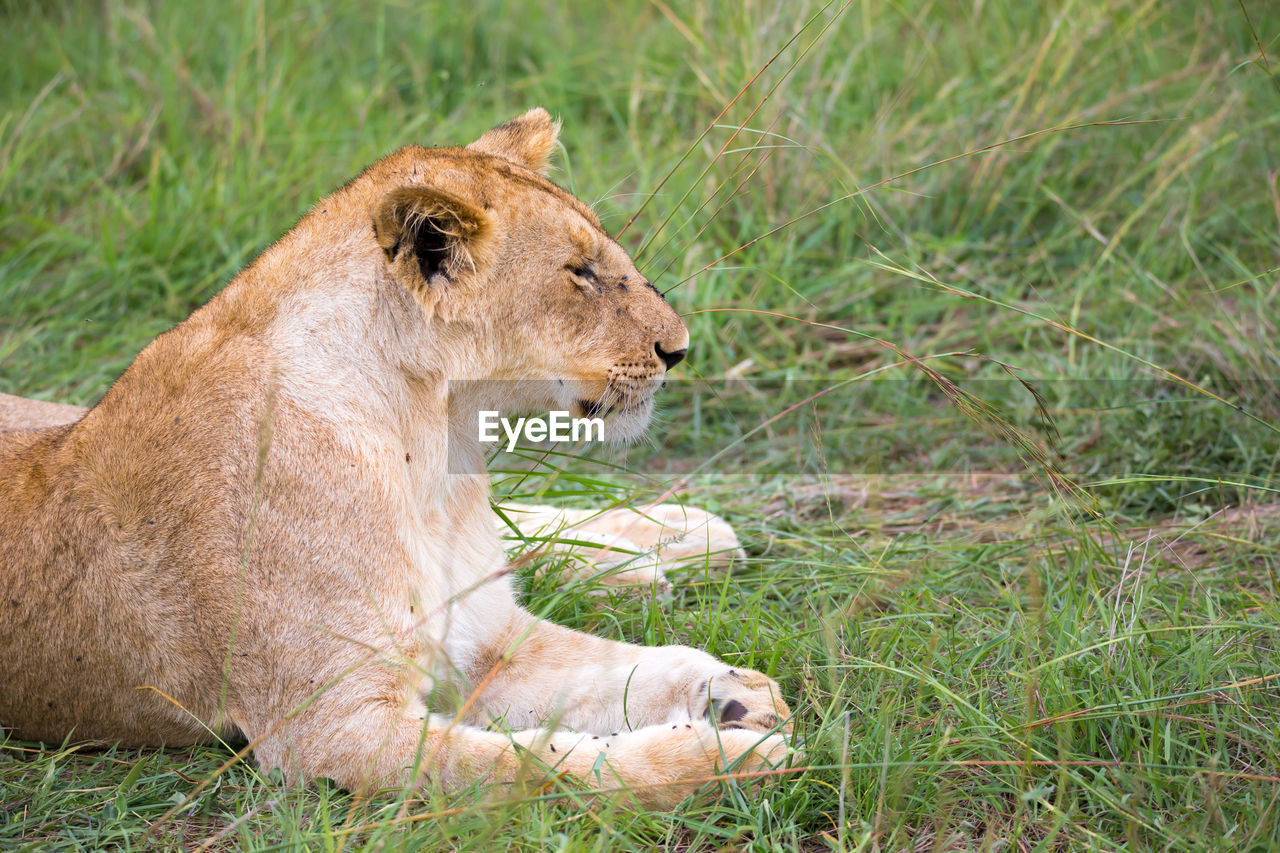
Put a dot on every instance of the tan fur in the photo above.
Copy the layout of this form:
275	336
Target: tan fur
270	525
625	546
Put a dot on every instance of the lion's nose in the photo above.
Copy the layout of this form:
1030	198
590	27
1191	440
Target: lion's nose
670	359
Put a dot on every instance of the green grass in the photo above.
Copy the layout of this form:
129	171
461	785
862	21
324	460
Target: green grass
977	658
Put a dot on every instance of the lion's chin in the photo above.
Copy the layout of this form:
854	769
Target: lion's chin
621	425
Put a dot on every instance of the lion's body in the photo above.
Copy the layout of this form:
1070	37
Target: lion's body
268	526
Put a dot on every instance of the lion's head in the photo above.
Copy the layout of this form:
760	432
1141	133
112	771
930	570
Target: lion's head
521	272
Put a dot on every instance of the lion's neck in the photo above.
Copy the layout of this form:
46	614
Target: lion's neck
361	360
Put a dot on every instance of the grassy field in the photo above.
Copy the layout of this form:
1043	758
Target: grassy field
1011	616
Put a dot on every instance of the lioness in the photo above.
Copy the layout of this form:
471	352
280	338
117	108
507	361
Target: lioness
257	530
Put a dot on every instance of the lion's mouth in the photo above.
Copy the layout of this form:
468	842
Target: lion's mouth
604	408
591	408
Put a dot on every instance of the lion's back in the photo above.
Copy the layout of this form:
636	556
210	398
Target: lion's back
20	413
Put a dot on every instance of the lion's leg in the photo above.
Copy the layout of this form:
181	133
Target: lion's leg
642	544
548	674
371	743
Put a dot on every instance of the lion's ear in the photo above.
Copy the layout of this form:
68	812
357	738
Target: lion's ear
526	140
430	236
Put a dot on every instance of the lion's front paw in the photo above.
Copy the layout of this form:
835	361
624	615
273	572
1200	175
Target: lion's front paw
647	544
742	699
639	545
662	765
680	534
